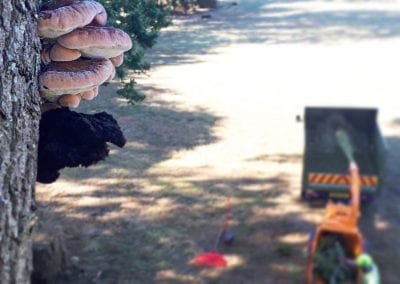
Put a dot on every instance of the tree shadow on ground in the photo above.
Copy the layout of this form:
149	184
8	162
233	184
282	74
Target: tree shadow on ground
274	22
153	131
380	220
115	238
126	225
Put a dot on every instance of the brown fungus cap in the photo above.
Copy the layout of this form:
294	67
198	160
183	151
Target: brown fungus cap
56	22
100	19
117	60
97	42
73	77
60	53
68	100
113	73
88	95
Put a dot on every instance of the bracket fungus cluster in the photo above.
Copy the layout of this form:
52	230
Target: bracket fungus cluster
79	53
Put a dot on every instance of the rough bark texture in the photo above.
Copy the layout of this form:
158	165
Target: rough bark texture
19	120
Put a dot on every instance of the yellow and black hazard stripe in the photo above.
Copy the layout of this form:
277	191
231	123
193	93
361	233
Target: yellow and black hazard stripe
325	178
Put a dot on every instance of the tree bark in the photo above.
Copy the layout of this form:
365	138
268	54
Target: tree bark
19	123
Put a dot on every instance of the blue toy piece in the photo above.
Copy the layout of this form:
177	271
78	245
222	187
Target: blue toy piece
228	238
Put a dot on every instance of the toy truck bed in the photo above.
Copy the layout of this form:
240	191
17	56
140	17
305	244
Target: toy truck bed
325	168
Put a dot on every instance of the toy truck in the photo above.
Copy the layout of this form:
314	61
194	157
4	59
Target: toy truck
325	168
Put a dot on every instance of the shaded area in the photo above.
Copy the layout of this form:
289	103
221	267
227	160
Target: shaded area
123	243
380	221
275	22
152	130
120	222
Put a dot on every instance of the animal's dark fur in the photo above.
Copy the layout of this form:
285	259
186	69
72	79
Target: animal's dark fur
71	139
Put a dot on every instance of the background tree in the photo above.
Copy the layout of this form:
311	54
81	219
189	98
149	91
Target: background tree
19	120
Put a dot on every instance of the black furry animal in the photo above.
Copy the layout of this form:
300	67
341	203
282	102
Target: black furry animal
71	139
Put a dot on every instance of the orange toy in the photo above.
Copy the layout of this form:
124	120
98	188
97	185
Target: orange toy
336	249
340	219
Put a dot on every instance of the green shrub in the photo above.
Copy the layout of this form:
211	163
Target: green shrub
142	20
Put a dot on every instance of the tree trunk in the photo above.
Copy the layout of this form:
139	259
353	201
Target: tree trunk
19	121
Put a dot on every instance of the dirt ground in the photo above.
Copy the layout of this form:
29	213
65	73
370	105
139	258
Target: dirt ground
220	119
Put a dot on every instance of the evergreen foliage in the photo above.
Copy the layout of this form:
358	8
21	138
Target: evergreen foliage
142	20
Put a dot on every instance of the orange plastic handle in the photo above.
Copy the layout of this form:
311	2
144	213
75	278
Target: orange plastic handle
355	185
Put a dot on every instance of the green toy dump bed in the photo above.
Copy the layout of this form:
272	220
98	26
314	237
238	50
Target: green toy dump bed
325	167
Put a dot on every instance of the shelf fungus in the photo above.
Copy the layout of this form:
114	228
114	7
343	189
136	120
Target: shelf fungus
69	82
68	100
60	53
113	73
62	17
73	77
89	95
117	60
97	42
79	53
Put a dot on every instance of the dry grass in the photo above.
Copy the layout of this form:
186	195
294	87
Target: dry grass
137	220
